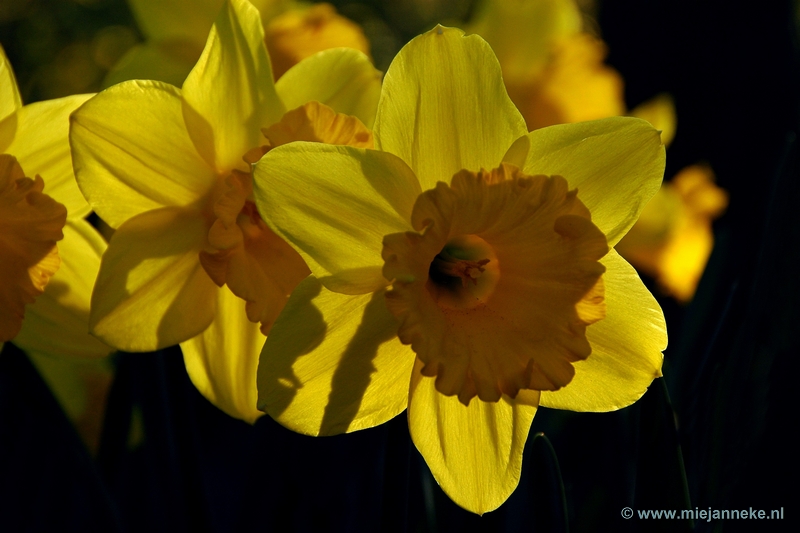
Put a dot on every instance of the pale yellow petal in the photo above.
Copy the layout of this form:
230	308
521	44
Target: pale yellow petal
10	99
616	164
475	451
230	95
151	291
522	32
132	152
350	199
175	19
626	346
332	363
223	359
169	61
302	31
342	78
57	324
444	107
41	144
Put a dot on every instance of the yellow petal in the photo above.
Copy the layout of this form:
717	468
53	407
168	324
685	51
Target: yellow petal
41	144
615	163
169	61
175	19
626	346
444	107
475	451
223	359
332	363
351	198
151	291
230	93
300	33
132	153
343	79
10	99
660	112
522	32
58	323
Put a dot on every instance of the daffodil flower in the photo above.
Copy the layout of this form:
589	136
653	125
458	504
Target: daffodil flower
294	31
35	138
170	170
463	270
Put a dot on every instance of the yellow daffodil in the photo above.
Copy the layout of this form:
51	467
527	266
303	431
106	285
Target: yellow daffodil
294	31
553	70
34	138
464	270
673	238
169	169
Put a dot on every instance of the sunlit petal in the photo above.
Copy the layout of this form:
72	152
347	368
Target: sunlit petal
132	153
10	99
57	323
230	94
151	291
626	347
474	452
616	164
223	359
342	78
342	245
169	62
444	107
41	144
332	363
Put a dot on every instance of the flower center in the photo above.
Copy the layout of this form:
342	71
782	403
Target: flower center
463	274
495	289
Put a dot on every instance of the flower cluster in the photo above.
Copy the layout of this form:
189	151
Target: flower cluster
336	247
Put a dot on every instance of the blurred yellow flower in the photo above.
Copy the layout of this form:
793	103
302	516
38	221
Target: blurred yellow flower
554	72
673	238
170	170
503	293
294	31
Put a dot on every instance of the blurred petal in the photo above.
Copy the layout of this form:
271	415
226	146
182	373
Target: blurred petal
151	291
343	79
522	32
230	93
10	99
223	359
474	452
41	145
169	61
660	112
444	107
616	164
58	323
132	153
302	32
157	20
332	363
342	247
626	347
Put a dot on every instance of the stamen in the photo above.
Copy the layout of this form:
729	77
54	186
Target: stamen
445	264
